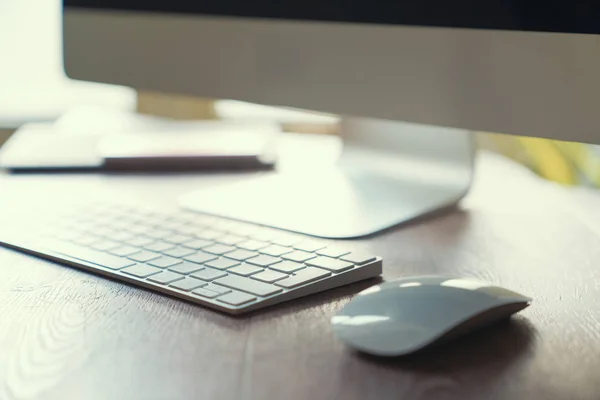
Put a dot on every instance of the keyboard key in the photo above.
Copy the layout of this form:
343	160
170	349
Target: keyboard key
144	256
139	241
165	277
105	245
241	255
141	270
172	225
231	239
158	222
209	294
200	257
198	244
252	245
189	230
222	263
86	240
124	251
334	252
209	274
159	246
217	288
299	256
309	245
105	231
269	276
245	270
122	236
307	275
85	254
179	216
164	262
263	260
122	226
178	252
146	211
358	258
236	298
139	230
204	220
276	250
158	233
186	268
219	249
162	215
330	264
248	285
288	267
177	239
188	284
209	234
183	217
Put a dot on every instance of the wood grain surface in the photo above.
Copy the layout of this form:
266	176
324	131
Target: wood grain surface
66	334
4	135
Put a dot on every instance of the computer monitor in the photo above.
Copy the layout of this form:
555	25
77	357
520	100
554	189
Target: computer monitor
521	67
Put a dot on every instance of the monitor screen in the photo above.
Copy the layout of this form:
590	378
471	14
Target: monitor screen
570	16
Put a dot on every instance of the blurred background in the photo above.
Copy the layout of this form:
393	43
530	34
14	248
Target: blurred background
33	88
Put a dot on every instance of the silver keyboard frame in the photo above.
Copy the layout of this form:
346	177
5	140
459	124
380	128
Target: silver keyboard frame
369	270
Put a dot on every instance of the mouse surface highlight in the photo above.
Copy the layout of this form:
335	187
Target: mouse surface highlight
402	316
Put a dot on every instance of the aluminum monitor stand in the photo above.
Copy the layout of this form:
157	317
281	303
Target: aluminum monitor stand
389	173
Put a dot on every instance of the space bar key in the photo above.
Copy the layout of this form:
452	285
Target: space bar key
248	285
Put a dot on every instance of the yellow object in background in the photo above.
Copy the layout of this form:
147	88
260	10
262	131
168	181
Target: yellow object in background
567	163
548	161
586	158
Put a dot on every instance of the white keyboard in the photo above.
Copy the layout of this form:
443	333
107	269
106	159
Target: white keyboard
227	265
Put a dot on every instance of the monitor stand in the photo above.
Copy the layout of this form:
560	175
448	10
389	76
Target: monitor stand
389	173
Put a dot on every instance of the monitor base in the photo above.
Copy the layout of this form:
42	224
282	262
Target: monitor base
389	173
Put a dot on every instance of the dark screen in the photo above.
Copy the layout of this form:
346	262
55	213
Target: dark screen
574	16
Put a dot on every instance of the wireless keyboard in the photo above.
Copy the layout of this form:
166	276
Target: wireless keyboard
219	263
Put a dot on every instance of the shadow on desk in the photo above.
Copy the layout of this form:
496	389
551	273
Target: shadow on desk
491	349
453	210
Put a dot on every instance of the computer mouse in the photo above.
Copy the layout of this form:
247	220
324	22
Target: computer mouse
403	316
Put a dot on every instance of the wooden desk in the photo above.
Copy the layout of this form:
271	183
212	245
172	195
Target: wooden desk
66	334
4	135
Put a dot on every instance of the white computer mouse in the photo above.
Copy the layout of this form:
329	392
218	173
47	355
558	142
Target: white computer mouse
400	317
